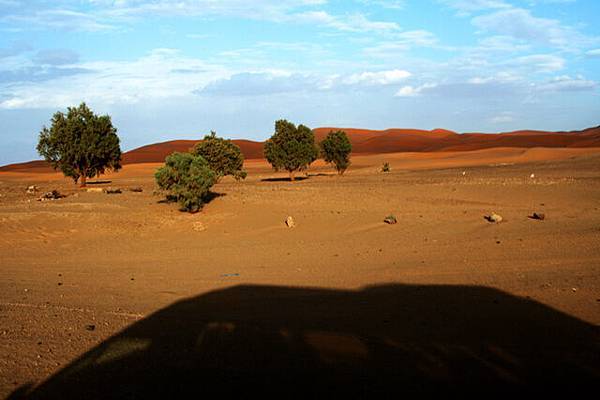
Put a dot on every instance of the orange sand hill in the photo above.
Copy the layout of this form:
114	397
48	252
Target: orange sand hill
365	141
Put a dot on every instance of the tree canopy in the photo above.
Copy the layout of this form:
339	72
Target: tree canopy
81	144
223	156
291	148
335	149
187	178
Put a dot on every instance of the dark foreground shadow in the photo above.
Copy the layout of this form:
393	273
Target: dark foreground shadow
294	342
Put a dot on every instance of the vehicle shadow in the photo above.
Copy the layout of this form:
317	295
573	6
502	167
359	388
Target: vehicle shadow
297	342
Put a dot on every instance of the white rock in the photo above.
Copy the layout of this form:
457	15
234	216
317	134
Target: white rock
290	222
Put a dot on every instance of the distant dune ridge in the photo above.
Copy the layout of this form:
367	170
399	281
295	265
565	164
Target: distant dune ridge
366	141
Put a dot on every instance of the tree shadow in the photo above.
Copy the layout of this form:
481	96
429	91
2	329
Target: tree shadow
382	340
98	182
284	179
210	196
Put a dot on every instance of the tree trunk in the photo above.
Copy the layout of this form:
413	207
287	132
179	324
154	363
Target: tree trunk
83	179
292	176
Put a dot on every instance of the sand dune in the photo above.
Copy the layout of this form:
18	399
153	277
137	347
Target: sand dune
366	141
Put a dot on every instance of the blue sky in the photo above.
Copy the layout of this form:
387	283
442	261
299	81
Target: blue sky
173	69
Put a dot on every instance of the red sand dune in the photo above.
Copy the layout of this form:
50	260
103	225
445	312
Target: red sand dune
366	141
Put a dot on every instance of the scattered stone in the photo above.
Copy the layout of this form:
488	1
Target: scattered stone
90	327
540	216
32	189
113	190
532	176
574	289
290	222
464	173
494	218
95	190
390	219
198	226
136	189
53	195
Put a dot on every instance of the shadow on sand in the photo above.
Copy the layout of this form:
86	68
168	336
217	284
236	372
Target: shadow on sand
210	196
284	179
293	342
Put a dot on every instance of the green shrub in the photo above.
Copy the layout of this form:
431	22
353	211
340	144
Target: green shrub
291	148
81	144
223	156
335	149
187	178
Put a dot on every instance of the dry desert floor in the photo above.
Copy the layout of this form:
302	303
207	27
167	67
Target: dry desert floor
108	289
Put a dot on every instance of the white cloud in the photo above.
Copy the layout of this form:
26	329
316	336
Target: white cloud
163	73
540	62
466	7
503	118
390	77
347	23
566	83
520	24
593	53
411	91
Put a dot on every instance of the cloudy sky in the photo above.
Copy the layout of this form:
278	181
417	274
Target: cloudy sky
173	69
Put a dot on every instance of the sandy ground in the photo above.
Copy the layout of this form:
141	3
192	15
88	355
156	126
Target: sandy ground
76	271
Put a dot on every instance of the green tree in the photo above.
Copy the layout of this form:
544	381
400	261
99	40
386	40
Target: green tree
81	144
187	178
291	148
335	149
223	156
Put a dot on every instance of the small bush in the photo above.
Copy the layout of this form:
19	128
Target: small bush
335	149
186	178
223	156
385	167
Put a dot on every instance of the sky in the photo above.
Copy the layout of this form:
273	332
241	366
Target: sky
177	69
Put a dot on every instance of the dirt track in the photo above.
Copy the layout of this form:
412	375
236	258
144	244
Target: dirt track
111	260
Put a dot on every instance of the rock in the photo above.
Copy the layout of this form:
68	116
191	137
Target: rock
136	189
390	219
90	327
494	218
198	226
464	173
113	190
53	195
532	176
540	216
32	189
290	222
95	190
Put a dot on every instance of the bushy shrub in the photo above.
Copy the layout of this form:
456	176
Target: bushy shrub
335	149
81	144
187	178
223	156
291	148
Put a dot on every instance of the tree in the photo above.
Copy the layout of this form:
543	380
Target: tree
81	144
291	148
223	156
335	149
187	178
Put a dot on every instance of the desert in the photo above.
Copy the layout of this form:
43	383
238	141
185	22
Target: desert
126	287
312	199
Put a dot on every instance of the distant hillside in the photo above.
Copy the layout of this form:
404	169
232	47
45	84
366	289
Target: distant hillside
367	141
